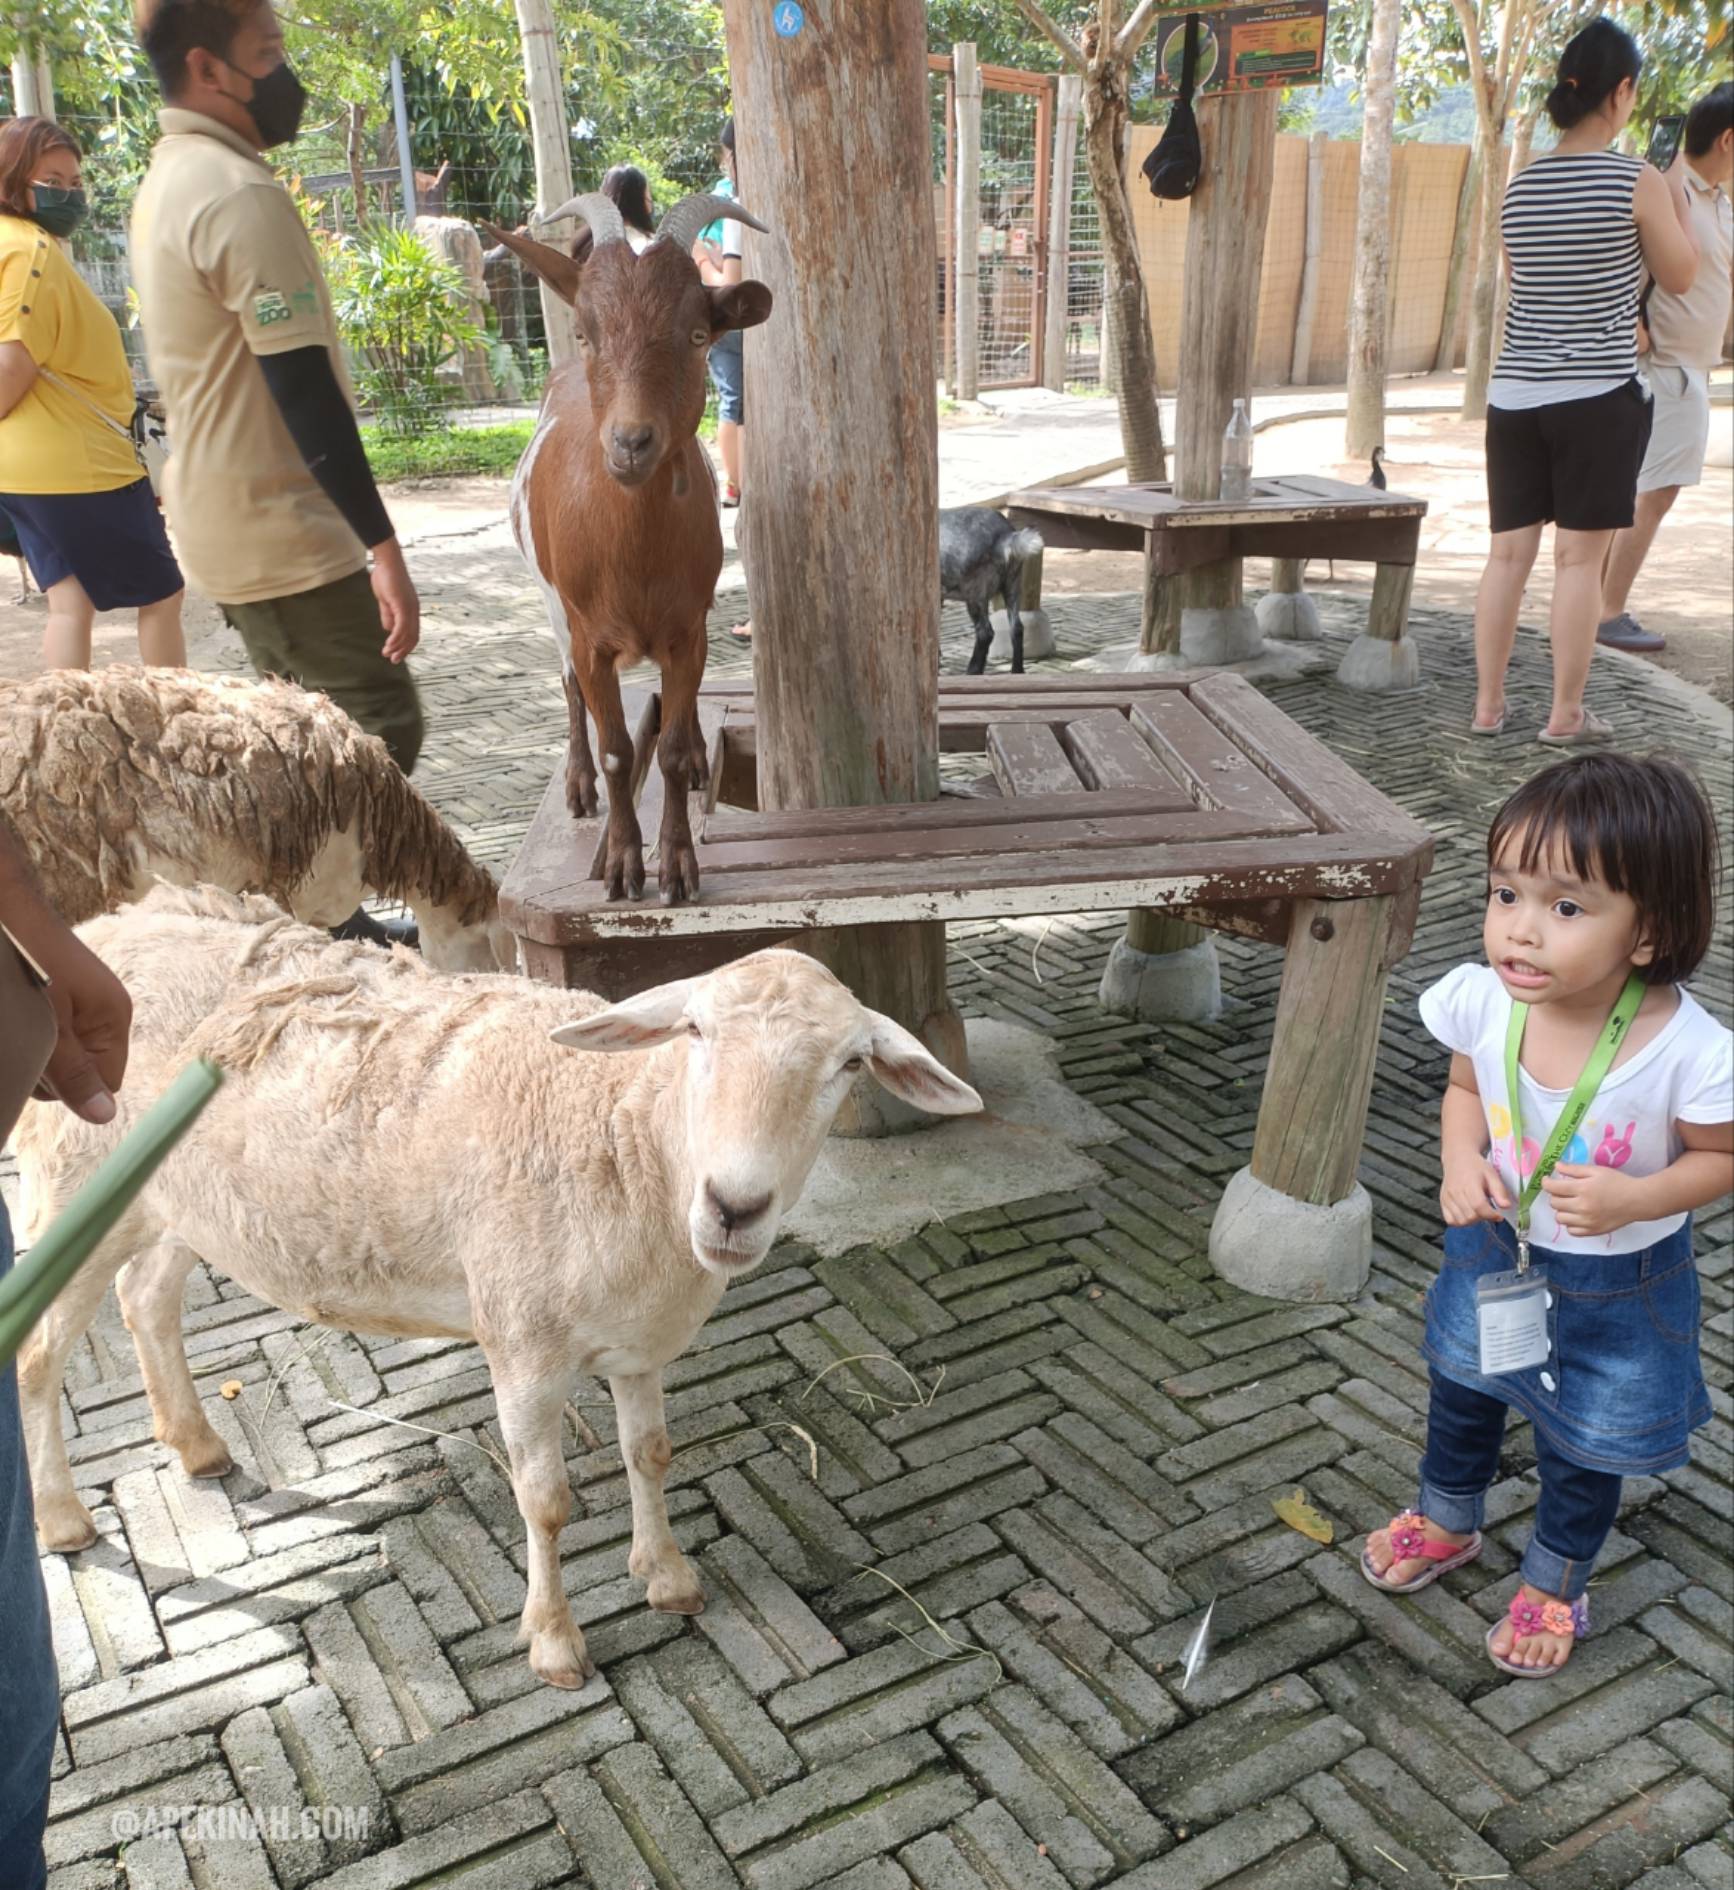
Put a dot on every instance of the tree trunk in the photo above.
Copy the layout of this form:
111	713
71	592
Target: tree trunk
1370	296
32	83
1306	309
1445	355
553	152
1059	267
355	154
1478	359
833	150
966	279
1129	329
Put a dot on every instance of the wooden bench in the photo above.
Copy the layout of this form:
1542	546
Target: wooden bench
1288	520
1185	793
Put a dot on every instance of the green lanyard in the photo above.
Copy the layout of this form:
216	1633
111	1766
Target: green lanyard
1577	1104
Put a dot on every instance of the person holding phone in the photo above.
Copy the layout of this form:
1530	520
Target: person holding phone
1681	341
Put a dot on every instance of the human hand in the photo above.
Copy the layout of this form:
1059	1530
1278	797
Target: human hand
399	606
93	1015
1473	1191
1588	1199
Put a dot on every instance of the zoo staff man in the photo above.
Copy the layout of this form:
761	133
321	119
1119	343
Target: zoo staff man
269	491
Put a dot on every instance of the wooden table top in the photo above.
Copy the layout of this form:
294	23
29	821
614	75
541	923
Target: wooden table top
1297	499
1097	793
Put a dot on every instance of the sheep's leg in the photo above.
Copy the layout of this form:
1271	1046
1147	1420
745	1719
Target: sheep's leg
623	851
680	755
150	1292
62	1521
983	636
1014	622
530	1414
580	768
655	1558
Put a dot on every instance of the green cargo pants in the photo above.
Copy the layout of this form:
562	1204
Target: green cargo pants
329	639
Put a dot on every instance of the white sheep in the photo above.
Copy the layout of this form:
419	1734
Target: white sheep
114	778
399	1152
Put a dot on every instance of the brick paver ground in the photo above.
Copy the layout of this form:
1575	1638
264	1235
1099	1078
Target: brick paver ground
952	1659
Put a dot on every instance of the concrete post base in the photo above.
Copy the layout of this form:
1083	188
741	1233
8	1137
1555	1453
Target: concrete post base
1289	617
1038	636
1183	987
1141	661
1271	1244
1381	667
1213	634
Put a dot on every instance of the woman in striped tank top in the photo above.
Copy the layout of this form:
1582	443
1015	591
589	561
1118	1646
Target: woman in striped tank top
1567	417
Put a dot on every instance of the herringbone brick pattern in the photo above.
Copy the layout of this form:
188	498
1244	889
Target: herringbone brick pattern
948	1655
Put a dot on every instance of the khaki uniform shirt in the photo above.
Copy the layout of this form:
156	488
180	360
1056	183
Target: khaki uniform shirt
225	271
1686	330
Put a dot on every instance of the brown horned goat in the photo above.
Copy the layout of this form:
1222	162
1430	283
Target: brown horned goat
115	778
614	508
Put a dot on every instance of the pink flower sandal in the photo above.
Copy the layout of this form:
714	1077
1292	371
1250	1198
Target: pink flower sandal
1408	1540
1568	1619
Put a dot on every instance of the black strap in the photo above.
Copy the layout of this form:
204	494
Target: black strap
1189	63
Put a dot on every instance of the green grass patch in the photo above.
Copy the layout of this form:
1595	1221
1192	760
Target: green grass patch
457	453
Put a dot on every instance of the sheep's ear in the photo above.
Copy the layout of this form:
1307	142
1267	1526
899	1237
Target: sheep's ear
744	305
636	1023
547	264
900	1063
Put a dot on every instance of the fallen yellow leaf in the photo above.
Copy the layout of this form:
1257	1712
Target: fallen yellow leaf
1299	1514
231	1388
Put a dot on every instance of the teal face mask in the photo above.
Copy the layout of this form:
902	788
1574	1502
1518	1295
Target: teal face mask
60	211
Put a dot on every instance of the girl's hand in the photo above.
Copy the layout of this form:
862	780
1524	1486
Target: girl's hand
1473	1191
1588	1199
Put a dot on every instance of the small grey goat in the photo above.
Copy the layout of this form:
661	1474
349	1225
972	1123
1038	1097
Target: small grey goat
981	556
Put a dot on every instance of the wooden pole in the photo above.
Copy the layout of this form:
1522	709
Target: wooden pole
966	79
1478	356
1300	370
1468	196
32	83
1369	297
552	148
832	145
405	153
1060	230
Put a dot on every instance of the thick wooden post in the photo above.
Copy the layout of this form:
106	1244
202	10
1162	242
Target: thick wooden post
1369	297
1060	230
1300	370
966	83
1457	269
552	148
842	461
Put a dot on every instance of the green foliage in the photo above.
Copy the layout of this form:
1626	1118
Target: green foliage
404	316
457	453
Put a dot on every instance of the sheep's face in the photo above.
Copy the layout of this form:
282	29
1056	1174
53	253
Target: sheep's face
769	1046
645	325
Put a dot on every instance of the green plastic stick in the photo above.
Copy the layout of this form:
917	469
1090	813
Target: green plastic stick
28	1291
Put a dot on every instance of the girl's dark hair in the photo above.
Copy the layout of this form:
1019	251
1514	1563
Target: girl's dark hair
24	143
1709	118
726	137
1592	67
1643	828
629	188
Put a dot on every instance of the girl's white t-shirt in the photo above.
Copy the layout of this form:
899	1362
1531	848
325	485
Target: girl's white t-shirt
1683	1074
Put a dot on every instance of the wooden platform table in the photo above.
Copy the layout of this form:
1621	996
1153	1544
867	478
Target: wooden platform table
1288	520
1188	794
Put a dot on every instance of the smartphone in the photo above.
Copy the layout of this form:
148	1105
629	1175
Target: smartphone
1665	141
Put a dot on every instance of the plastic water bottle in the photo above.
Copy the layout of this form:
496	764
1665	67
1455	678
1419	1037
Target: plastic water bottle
1237	457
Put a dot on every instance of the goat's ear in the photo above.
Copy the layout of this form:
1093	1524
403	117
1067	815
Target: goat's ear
898	1060
636	1023
559	271
744	305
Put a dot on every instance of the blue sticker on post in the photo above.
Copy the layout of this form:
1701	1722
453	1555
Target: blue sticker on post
787	18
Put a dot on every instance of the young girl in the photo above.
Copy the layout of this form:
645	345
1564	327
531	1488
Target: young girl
1600	891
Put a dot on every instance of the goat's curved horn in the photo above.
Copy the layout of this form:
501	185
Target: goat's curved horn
682	223
607	225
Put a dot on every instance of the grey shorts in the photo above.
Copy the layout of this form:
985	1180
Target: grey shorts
1680	433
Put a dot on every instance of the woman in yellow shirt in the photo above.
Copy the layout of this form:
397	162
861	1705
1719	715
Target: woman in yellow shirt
70	482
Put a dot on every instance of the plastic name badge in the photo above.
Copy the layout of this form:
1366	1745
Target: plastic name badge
1511	1319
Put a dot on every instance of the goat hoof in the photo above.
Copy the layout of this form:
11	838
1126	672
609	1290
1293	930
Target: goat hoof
679	876
676	1592
624	874
64	1526
581	800
560	1659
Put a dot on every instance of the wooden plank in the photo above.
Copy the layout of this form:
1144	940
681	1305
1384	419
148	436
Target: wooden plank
1329	789
971	886
925	853
556	850
1263	919
1373	541
1108	753
1197	752
1027	758
1062	533
738	690
983	809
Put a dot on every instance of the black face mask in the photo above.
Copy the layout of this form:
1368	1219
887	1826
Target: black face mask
278	101
59	211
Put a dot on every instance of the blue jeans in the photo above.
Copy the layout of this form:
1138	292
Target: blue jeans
29	1688
1577	1509
726	369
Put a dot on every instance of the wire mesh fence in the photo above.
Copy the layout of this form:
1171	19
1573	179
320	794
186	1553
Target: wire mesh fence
1085	280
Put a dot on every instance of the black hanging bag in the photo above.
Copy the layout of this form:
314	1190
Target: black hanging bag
1173	166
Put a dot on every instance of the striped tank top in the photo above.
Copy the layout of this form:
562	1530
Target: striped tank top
1576	270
